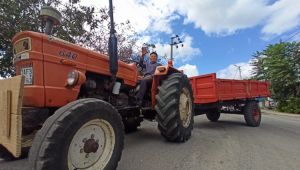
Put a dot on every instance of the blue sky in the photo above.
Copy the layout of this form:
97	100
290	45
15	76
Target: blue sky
217	34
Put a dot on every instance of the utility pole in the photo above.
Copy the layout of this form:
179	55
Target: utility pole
240	71
175	41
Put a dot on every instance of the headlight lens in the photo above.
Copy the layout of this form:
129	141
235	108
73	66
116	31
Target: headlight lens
72	78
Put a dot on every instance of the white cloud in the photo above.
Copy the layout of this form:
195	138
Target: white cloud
226	17
232	71
222	17
145	16
189	70
284	15
214	17
183	54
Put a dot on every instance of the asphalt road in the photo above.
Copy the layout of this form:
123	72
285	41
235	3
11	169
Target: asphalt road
227	144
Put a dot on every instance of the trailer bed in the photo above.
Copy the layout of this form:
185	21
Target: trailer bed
209	89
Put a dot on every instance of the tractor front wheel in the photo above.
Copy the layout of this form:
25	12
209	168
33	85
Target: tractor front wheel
84	134
175	108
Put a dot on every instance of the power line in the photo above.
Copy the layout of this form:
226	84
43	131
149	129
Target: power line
295	33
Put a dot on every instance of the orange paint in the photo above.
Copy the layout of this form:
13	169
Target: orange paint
52	59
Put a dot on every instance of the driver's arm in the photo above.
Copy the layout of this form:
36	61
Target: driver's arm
144	52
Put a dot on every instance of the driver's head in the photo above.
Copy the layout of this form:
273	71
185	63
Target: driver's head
153	57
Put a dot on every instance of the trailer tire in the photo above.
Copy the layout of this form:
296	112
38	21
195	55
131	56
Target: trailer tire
71	138
213	116
175	108
252	114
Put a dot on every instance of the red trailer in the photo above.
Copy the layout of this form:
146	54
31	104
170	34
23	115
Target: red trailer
213	96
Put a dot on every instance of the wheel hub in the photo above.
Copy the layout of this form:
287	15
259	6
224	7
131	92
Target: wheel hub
185	107
91	146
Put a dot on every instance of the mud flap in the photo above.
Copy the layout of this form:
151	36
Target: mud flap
11	95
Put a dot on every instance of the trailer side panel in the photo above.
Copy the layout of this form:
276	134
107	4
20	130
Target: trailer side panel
208	89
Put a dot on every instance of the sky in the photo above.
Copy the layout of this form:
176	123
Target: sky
218	35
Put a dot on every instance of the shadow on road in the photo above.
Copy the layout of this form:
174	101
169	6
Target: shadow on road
219	125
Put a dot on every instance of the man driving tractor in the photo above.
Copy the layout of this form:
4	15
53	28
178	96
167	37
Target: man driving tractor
148	73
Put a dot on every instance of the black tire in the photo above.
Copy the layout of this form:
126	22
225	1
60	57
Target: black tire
213	116
252	114
131	125
51	144
169	120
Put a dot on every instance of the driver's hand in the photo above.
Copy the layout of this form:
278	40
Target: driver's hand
144	51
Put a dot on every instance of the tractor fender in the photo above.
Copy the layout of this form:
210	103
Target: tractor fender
160	74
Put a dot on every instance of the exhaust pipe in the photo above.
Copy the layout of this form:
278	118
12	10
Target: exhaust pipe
112	44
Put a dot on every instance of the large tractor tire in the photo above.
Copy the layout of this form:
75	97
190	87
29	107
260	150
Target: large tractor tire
84	134
213	116
175	108
252	114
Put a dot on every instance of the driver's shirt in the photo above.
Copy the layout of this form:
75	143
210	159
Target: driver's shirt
149	66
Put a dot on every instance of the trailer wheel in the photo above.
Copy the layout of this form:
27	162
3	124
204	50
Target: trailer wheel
252	114
175	108
84	134
213	116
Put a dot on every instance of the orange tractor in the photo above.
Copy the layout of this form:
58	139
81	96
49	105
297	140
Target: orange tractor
71	105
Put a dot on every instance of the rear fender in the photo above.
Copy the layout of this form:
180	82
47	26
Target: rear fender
160	74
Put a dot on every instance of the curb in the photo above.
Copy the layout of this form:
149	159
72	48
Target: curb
280	113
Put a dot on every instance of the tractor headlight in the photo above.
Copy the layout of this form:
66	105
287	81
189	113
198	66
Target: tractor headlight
72	78
75	77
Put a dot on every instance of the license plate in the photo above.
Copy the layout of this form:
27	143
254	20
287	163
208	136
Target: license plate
28	74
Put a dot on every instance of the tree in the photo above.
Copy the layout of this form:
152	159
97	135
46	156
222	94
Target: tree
83	25
280	64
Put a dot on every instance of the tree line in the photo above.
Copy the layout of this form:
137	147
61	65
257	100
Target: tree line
84	25
280	65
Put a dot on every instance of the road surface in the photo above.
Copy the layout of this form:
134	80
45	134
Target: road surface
227	144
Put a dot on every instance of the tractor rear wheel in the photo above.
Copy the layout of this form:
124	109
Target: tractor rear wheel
252	114
213	116
175	108
84	134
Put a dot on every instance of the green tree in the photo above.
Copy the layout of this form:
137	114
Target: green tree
280	64
83	25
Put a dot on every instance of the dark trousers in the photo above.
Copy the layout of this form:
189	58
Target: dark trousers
146	82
